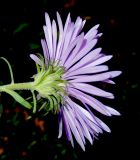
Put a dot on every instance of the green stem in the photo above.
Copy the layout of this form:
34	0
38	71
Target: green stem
34	100
18	86
10	69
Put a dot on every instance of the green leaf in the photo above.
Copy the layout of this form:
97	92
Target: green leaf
21	27
18	98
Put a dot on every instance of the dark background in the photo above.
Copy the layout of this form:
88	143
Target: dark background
20	33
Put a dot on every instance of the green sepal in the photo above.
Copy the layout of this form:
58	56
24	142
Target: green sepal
43	105
51	103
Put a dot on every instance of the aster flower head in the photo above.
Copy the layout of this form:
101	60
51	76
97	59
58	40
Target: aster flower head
71	62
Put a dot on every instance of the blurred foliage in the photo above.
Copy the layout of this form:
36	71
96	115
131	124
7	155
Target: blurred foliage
1	109
20	28
34	46
23	138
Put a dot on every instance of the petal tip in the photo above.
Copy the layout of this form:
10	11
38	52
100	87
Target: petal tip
97	26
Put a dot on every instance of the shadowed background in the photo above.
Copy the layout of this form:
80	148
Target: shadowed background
20	33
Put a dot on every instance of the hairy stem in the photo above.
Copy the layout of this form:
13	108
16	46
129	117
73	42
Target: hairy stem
18	86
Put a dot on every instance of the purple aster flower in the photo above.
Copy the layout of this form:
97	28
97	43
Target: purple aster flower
69	48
